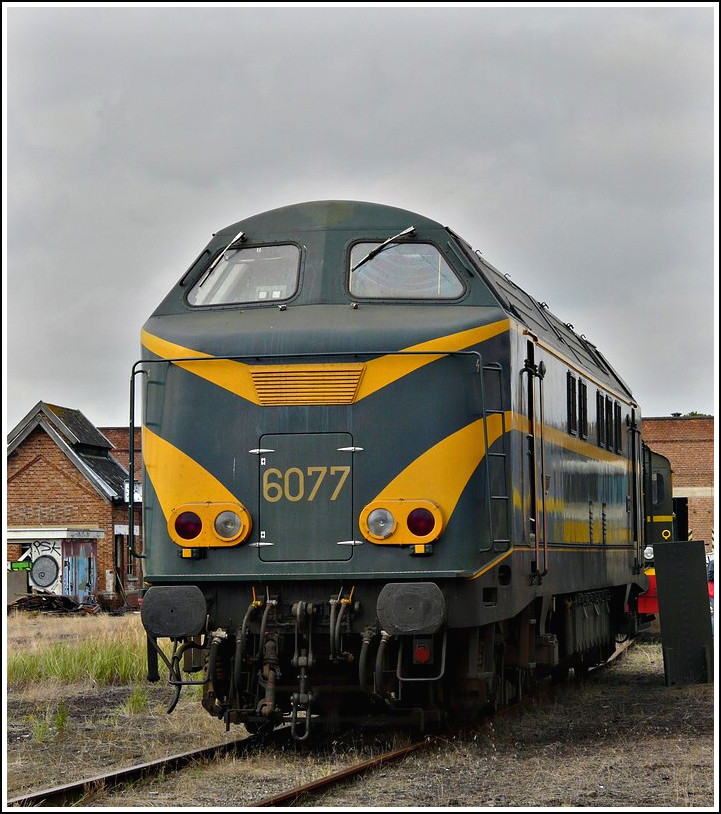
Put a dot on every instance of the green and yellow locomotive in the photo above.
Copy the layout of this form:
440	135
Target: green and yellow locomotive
382	482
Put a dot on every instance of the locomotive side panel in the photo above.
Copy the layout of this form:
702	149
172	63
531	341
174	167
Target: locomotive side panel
573	490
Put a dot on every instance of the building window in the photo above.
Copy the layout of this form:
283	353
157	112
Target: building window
571	402
600	419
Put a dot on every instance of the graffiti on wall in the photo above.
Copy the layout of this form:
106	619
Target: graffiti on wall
46	556
62	567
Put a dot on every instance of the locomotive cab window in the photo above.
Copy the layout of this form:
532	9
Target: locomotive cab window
407	271
249	274
658	491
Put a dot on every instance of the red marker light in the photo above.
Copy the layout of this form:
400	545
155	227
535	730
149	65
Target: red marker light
421	522
421	655
188	525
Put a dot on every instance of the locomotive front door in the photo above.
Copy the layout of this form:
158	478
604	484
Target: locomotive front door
306	506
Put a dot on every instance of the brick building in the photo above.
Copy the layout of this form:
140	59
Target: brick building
67	506
688	443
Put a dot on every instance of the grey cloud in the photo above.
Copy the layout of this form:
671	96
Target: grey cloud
573	146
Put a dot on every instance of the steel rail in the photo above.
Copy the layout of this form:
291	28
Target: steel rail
71	793
341	775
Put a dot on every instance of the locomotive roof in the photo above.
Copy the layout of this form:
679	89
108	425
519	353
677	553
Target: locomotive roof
520	306
551	330
332	215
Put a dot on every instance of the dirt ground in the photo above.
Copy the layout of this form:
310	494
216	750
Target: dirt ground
621	739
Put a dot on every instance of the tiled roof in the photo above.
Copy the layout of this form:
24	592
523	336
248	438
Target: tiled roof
81	441
75	425
107	469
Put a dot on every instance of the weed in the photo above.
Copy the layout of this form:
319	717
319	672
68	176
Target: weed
39	727
138	701
62	716
49	723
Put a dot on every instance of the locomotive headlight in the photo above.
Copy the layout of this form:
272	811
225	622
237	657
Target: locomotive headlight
648	552
209	525
228	525
381	523
401	522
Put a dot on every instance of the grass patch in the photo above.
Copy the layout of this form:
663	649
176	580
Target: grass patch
71	650
61	650
118	662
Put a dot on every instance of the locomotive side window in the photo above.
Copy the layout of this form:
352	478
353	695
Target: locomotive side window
582	410
609	423
249	274
617	439
658	491
408	271
571	403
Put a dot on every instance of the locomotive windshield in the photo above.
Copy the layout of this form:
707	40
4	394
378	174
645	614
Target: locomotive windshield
249	274
409	271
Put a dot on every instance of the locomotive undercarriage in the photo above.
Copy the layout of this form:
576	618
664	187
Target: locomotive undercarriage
303	664
326	664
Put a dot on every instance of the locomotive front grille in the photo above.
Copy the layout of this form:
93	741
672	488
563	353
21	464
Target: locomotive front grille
306	384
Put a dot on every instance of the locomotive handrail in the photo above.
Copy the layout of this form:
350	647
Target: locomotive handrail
131	465
137	368
544	523
540	529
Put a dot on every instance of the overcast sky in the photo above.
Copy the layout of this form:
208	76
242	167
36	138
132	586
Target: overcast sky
574	146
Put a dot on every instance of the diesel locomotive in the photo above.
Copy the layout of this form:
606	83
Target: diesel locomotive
382	483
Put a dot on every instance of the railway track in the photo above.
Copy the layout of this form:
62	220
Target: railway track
73	793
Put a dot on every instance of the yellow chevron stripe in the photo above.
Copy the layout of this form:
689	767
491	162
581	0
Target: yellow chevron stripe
387	369
232	376
236	377
441	473
588	449
177	478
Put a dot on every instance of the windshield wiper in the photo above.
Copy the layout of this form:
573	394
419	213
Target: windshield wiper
373	252
239	238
